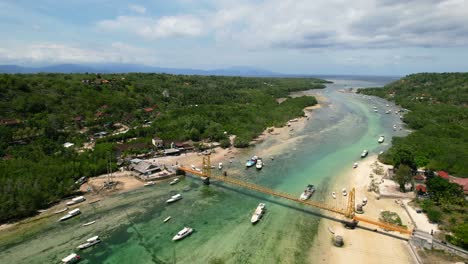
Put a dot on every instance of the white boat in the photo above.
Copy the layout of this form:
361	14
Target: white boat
89	223
90	242
381	139
174	181
394	127
388	111
71	214
72	258
355	165
307	193
150	183
364	153
61	210
251	161
375	110
334	195
167	219
344	192
174	198
220	166
364	201
197	169
259	164
76	200
259	211
182	233
381	152
192	166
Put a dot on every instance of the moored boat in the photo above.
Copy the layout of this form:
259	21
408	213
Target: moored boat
150	183
167	219
71	214
89	223
72	258
259	164
344	192
334	195
251	161
355	165
381	139
307	193
174	181
76	200
61	210
258	213
364	153
174	198
90	242
183	233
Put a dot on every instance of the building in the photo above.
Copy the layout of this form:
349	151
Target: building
171	152
443	174
145	169
463	182
157	142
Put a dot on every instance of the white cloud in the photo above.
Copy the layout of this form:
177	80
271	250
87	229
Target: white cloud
49	53
137	8
151	28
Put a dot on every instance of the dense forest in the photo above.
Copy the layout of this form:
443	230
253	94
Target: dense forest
41	112
438	114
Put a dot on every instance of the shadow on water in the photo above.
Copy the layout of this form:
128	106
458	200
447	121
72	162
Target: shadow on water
299	209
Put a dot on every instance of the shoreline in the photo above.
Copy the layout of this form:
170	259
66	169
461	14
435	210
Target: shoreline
361	245
127	182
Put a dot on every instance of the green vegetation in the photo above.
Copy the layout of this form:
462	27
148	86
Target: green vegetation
391	218
40	112
439	117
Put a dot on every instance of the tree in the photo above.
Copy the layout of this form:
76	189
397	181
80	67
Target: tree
403	176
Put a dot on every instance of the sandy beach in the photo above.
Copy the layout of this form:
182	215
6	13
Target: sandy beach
361	245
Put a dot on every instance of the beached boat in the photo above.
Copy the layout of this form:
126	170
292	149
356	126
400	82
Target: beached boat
220	166
183	233
174	198
258	213
71	214
307	193
334	195
259	164
76	200
251	161
355	165
381	139
72	258
174	181
344	192
364	201
364	153
150	183
61	210
167	219
388	111
90	242
89	223
381	152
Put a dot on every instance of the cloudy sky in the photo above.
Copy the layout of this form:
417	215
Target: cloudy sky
389	37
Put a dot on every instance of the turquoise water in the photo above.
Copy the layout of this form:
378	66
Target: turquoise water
131	224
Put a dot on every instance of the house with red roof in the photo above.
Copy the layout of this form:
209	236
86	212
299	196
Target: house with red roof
463	182
421	188
443	174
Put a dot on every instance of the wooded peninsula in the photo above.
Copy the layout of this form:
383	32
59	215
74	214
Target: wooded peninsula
57	128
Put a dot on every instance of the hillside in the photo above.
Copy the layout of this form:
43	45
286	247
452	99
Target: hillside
439	117
41	112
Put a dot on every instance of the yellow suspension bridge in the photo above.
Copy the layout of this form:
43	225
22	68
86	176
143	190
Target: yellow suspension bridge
348	212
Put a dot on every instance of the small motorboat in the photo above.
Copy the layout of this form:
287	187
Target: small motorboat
307	193
334	195
174	181
364	153
150	183
355	165
259	164
174	198
381	139
71	214
167	219
251	162
90	242
344	192
258	213
76	200
72	258
364	201
61	210
183	233
89	223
